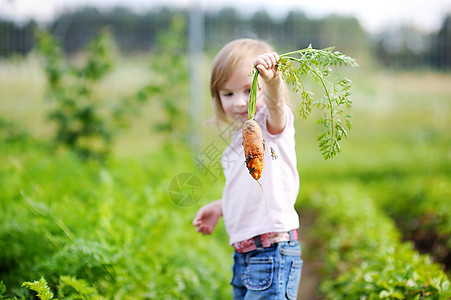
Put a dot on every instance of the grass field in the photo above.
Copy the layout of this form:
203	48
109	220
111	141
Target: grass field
105	225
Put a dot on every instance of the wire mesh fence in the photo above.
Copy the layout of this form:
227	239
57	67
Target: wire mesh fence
400	47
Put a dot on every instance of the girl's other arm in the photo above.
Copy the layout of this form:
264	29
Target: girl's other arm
273	91
207	217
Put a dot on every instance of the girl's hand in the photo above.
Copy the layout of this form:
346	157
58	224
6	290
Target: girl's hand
207	217
273	91
266	65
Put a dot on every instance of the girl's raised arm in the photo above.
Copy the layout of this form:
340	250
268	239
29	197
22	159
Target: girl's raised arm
273	91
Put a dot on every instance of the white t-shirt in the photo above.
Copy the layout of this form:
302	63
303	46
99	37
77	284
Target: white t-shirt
243	201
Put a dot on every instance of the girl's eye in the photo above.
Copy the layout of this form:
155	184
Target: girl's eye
228	94
248	91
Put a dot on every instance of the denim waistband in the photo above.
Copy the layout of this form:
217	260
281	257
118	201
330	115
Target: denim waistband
264	240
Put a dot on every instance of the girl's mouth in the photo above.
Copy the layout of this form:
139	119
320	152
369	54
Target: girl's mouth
242	115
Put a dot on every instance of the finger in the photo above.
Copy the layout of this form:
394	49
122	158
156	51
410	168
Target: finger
276	56
208	229
272	59
269	59
261	61
198	218
263	71
204	229
199	214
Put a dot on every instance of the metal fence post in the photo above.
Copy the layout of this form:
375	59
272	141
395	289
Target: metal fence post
196	47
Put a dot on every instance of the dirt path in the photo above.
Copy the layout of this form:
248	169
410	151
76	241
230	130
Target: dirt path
309	278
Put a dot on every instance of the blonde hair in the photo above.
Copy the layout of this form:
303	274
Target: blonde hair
228	59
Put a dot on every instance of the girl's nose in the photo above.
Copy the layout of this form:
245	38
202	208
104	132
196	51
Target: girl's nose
242	101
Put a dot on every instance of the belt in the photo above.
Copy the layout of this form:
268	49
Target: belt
265	240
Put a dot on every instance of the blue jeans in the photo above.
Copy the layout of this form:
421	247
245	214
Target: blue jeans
268	273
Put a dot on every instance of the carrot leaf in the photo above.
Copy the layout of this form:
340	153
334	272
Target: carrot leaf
318	64
253	95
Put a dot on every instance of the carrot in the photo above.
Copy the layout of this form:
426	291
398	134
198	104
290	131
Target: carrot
253	143
254	148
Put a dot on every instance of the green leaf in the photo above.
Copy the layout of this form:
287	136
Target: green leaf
317	64
253	95
41	288
2	288
398	295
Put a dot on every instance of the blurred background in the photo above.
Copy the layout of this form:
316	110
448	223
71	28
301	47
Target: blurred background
107	153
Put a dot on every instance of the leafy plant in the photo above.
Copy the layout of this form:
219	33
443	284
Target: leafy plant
41	288
363	255
417	204
318	65
85	122
171	67
12	132
77	111
70	287
51	227
3	295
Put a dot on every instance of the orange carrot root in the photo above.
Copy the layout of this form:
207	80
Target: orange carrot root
254	148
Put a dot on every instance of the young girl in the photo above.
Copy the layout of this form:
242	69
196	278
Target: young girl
267	263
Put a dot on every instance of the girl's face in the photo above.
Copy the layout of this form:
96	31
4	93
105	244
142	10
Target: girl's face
234	95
